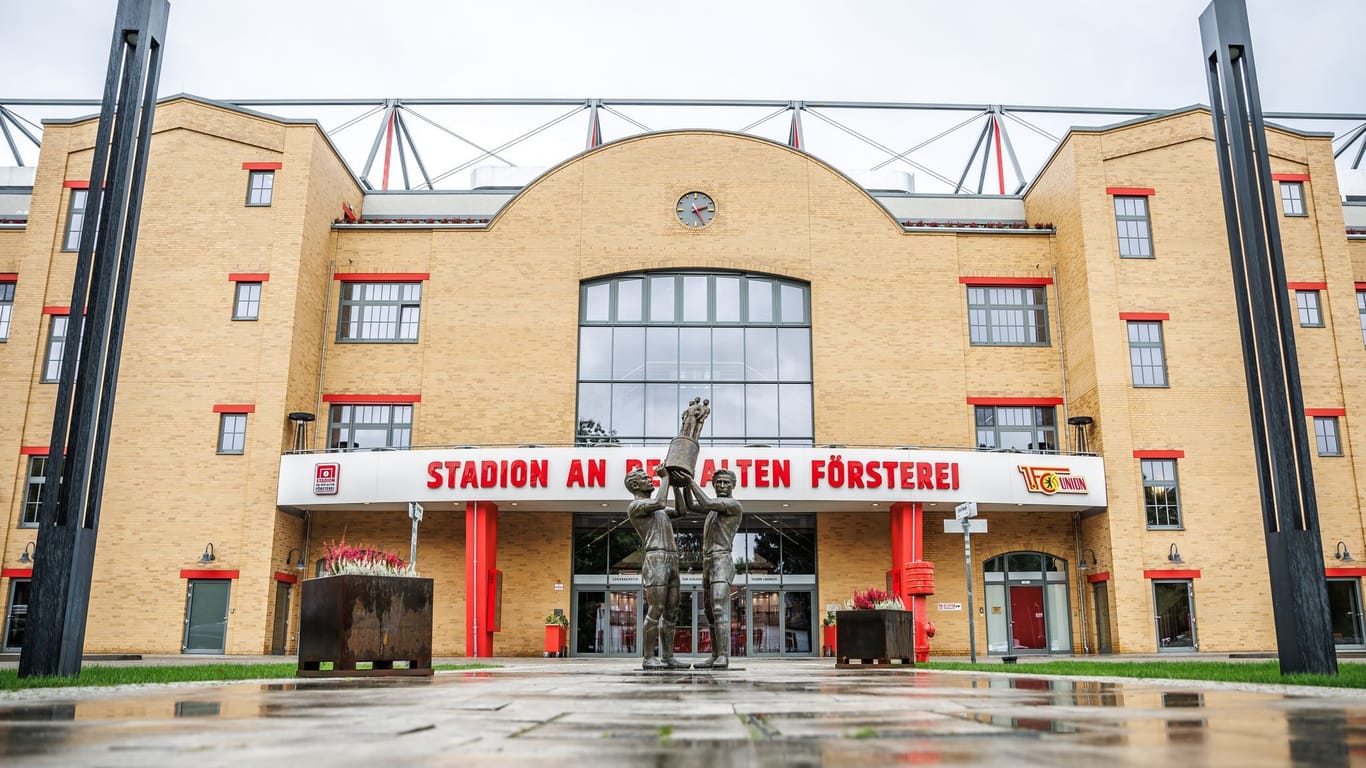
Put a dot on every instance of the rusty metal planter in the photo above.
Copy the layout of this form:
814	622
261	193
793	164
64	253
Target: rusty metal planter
874	638
348	620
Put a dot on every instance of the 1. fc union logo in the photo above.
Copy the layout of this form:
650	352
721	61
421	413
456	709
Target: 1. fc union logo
1051	480
326	479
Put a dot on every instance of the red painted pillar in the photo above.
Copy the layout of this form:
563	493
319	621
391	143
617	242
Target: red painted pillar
908	546
481	559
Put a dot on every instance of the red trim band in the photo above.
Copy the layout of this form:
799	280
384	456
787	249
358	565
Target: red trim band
359	399
34	450
1171	574
1131	191
1005	281
1359	286
382	277
9	277
1092	578
1145	316
1344	571
16	573
248	277
262	166
234	408
56	310
1290	177
76	184
1159	454
1307	286
189	574
1325	411
287	578
1014	401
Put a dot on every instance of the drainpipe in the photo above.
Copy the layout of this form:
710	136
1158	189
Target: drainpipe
1081	583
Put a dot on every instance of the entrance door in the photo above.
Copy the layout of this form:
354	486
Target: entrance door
16	615
1100	591
685	631
280	636
606	622
206	616
1026	618
1175	608
1344	605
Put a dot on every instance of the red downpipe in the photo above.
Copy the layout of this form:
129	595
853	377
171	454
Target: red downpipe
1000	168
388	147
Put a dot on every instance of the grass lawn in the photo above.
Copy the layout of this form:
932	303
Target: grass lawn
1349	675
95	675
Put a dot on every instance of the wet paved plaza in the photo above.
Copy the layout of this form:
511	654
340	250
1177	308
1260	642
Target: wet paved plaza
566	712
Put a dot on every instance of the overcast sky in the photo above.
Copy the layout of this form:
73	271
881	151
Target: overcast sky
1310	53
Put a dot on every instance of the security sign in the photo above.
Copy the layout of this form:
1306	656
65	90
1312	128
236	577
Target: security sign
326	479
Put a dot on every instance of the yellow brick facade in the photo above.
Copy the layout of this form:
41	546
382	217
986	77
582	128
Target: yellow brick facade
496	364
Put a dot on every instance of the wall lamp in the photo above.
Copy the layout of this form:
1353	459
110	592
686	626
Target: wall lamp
208	556
1174	554
289	559
1094	562
30	554
1342	553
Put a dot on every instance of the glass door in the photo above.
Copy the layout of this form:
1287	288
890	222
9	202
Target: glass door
1175	608
16	615
685	631
1344	605
206	616
606	622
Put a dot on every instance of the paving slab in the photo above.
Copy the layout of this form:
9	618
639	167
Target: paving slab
609	713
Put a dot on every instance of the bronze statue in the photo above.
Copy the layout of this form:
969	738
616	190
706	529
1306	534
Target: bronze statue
653	520
718	565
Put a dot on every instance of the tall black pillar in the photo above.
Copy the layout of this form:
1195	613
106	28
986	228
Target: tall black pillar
1299	592
68	520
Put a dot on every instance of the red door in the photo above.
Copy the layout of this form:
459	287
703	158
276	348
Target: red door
1026	618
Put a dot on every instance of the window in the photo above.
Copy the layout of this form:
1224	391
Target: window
1007	316
260	186
1131	221
1361	312
33	493
1292	198
6	308
232	433
1160	497
379	311
370	426
1146	356
1326	435
75	219
1308	303
649	343
247	304
56	344
1028	428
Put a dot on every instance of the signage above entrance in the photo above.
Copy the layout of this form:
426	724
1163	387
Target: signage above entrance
768	479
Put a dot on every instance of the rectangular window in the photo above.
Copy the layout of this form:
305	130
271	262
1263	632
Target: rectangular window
370	426
260	187
1028	428
1292	198
1131	222
232	433
56	344
1147	358
247	304
1308	304
1160	497
6	309
1361	312
33	492
1007	316
379	311
1326	435
75	219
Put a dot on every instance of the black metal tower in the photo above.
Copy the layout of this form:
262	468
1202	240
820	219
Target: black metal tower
1299	592
74	481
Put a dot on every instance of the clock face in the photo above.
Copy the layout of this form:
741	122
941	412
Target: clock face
696	209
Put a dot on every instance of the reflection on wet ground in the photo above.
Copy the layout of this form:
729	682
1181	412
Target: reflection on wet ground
606	712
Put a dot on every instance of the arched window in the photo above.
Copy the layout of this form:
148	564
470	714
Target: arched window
651	342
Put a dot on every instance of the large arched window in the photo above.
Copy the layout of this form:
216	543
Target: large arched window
649	343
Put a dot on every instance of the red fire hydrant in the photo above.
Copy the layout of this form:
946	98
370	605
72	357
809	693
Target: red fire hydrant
924	630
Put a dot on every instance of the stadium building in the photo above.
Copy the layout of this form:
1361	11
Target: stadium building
306	357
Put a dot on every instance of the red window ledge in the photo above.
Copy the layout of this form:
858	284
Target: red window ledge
16	573
1159	454
360	399
1290	177
1005	281
1307	286
382	277
287	578
249	277
262	166
189	574
1171	574
1149	316
9	277
1014	401
234	408
1325	411
1344	571
1092	578
1131	191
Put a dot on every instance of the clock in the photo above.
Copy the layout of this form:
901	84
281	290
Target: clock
696	209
